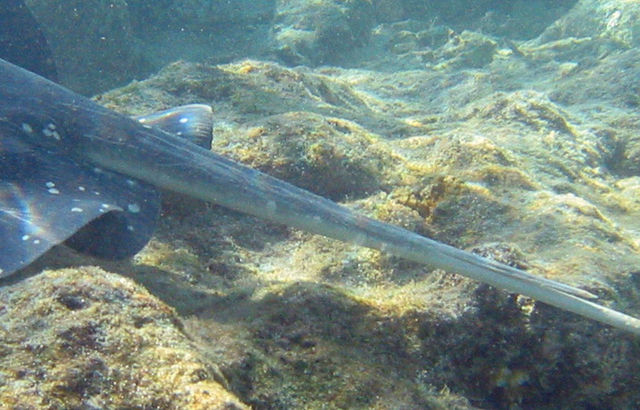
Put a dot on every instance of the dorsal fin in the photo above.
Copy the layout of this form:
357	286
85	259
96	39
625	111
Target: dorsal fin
193	122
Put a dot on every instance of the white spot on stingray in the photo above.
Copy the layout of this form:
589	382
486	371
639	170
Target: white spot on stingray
131	182
133	208
51	126
98	170
26	237
50	131
53	191
37	241
146	126
81	188
27	128
50	184
183	120
130	228
96	193
105	205
76	209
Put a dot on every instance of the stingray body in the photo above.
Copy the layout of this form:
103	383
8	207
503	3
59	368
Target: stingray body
71	169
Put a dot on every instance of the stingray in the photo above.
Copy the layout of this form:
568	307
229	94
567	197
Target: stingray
74	172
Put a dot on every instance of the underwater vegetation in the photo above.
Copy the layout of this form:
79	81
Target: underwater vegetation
514	137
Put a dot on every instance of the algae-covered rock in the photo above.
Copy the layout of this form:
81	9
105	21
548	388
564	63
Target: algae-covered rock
329	156
253	90
615	21
321	32
468	50
513	19
87	338
308	345
613	81
512	173
438	47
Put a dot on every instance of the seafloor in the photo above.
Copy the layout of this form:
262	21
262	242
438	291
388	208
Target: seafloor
512	132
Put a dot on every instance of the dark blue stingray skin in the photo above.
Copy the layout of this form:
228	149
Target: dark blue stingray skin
49	196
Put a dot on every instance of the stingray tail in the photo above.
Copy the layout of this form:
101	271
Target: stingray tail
202	174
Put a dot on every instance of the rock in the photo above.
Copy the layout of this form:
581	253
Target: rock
324	32
328	156
612	21
87	338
